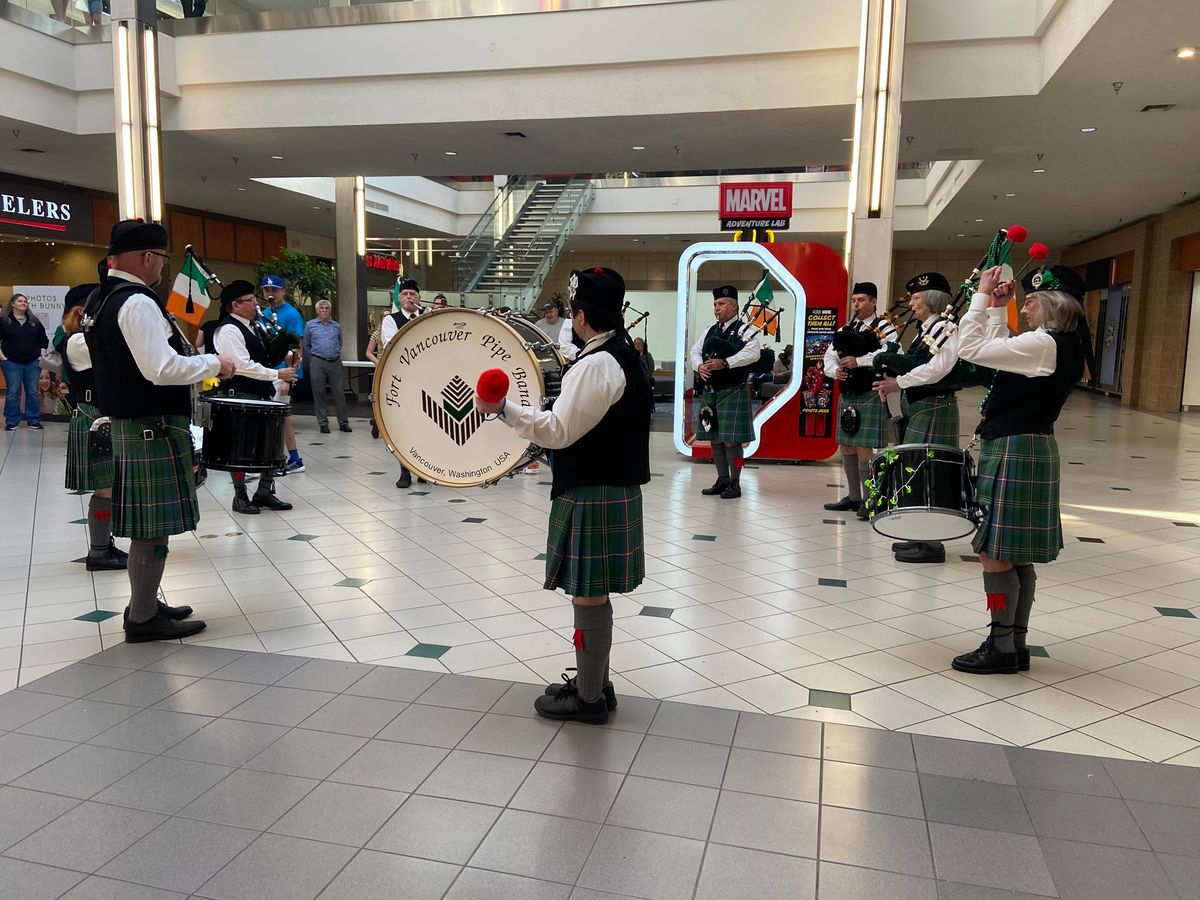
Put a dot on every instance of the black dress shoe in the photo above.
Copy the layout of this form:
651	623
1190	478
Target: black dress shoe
922	552
986	660
270	501
904	545
178	613
718	487
570	686
374	429
345	428
324	429
863	513
161	628
1023	659
570	707
107	560
117	552
405	479
843	505
732	492
243	504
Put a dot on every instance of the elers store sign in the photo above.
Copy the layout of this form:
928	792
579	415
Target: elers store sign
45	213
760	204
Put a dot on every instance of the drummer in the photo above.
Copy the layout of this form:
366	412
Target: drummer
410	308
928	400
1018	479
87	469
241	338
144	371
599	430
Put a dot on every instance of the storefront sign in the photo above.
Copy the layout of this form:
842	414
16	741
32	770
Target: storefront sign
45	213
385	263
46	302
765	204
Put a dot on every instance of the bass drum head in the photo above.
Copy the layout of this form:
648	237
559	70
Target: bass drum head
923	524
424	392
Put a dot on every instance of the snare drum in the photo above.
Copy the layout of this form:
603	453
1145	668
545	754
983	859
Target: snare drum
242	435
424	393
923	492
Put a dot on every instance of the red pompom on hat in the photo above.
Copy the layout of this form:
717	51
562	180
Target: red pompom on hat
1039	250
1017	234
492	386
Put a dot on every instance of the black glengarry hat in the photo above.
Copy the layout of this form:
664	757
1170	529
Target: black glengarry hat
601	293
725	291
234	290
77	296
134	234
1055	278
868	288
928	281
409	284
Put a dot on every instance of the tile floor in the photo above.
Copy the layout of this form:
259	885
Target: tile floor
768	604
158	771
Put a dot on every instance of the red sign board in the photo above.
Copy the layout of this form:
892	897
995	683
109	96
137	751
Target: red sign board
756	204
386	263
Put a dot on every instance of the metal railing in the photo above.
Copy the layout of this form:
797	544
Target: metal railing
478	246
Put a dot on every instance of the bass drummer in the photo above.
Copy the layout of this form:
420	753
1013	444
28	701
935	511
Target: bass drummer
241	338
410	308
928	399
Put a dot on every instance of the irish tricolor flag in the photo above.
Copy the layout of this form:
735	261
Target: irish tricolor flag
189	295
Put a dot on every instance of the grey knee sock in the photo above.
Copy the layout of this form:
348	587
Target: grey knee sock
1028	578
1003	597
147	562
735	454
850	467
99	522
864	472
593	643
721	458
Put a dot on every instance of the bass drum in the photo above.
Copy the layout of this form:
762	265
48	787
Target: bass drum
424	393
923	492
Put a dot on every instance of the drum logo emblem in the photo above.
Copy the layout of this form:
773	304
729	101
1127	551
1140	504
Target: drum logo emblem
454	412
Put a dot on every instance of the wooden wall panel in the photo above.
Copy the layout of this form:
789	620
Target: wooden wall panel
248	241
273	241
1189	253
104	216
218	239
1122	268
187	229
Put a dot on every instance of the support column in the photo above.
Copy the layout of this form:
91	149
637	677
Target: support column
869	220
136	84
351	236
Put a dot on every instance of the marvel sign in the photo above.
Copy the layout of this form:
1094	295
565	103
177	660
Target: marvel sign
766	204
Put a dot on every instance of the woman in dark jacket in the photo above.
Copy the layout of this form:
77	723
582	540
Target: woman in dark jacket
22	340
647	361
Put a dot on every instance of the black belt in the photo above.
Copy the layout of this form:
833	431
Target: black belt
328	358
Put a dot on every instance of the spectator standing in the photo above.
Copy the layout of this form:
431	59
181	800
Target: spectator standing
440	301
647	361
22	340
552	318
282	314
323	350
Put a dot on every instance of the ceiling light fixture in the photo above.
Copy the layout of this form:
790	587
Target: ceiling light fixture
1185	53
1039	171
316	207
1010	195
962	235
276	157
1088	130
241	189
848	140
451	153
639	147
979	220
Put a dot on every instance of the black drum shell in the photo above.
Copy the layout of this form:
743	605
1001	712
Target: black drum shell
941	504
243	435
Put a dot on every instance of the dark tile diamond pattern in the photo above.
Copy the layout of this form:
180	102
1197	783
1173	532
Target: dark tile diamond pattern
661	612
1175	612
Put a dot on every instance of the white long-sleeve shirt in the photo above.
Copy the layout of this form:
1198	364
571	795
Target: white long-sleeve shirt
832	361
747	355
983	338
146	333
230	342
566	340
943	360
78	354
589	388
388	327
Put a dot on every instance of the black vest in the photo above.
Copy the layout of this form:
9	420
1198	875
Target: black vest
81	383
919	353
121	391
617	450
255	387
722	342
1020	404
401	319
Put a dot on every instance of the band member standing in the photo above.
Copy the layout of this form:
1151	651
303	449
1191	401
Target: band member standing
88	468
240	337
144	372
282	314
599	431
855	375
721	359
928	401
410	308
1018	481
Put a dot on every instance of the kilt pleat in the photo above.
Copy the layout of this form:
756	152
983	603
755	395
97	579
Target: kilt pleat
735	419
594	545
154	491
933	420
873	421
85	471
1017	488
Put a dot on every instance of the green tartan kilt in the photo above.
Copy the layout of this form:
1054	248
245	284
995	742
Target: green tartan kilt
872	421
85	471
735	420
154	491
594	545
1017	488
933	420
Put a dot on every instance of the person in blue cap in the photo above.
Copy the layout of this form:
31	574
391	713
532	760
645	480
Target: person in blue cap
281	314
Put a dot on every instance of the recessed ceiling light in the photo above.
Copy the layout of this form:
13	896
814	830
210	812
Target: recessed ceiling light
849	140
316	207
962	235
1185	53
639	147
276	157
1088	130
1038	171
241	189
979	220
1010	195
451	153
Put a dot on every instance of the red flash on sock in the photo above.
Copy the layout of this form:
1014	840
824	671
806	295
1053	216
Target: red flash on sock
577	639
103	515
739	463
997	602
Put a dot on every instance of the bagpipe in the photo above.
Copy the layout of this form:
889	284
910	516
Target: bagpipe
851	341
